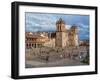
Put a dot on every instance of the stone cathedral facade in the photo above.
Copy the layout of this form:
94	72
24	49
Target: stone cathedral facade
65	37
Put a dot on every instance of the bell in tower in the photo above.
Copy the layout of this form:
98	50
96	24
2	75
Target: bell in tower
73	36
60	24
74	29
61	35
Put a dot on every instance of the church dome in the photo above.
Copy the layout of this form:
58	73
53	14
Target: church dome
74	26
60	21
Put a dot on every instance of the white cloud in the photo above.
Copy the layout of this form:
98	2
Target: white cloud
68	26
47	22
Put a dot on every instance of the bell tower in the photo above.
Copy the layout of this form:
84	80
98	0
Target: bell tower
73	39
61	35
60	25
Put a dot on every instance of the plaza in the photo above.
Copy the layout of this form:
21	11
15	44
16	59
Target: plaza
58	48
52	57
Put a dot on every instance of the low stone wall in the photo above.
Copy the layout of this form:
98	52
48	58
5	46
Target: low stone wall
52	54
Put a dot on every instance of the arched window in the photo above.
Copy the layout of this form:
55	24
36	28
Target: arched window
27	45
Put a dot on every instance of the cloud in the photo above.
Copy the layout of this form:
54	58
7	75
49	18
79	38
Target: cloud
68	26
83	31
47	22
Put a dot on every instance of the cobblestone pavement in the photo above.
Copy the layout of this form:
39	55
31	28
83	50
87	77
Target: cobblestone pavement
62	62
35	58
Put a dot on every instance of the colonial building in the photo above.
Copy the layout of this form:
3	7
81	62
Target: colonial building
62	37
34	40
65	37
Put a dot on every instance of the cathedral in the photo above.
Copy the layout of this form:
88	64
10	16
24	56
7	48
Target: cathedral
65	37
62	37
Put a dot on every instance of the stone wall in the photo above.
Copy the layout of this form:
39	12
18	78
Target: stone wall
56	53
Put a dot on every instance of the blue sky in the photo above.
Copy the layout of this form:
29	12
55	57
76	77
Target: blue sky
46	22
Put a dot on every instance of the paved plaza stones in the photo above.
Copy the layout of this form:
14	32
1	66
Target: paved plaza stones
52	57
